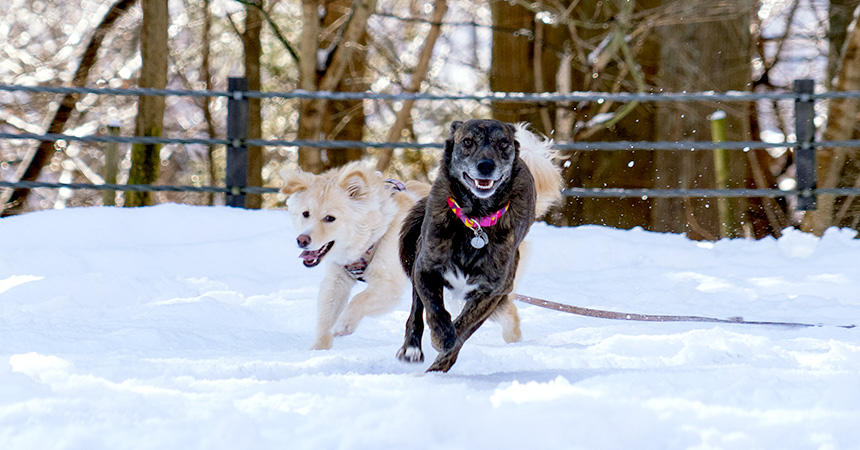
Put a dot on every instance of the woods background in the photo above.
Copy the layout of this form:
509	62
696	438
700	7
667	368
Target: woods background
436	47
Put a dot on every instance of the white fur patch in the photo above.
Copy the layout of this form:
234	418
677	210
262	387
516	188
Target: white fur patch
455	297
412	354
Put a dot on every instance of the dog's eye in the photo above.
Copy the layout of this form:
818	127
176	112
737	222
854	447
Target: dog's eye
306	214
328	218
467	142
504	143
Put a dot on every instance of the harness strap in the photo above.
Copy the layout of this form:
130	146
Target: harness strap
356	268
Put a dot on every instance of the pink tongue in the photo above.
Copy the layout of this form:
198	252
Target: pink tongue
309	255
483	183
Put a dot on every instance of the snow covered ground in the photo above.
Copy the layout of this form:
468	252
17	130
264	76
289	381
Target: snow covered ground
178	327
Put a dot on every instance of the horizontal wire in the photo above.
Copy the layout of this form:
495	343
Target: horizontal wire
574	146
524	97
702	193
139	187
569	192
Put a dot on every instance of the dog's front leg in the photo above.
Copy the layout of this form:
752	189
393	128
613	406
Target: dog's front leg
380	296
333	294
475	312
385	284
429	284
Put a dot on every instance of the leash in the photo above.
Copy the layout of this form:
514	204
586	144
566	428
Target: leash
614	315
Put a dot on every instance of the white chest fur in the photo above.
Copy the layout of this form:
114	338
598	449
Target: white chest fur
455	295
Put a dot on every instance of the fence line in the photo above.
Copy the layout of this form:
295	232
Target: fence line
573	146
569	192
237	142
139	187
523	97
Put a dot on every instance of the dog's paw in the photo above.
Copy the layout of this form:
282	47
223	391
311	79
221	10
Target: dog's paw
345	329
444	361
443	343
323	342
443	337
410	354
512	335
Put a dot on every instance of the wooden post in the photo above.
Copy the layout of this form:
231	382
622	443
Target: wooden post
237	133
721	172
804	154
111	164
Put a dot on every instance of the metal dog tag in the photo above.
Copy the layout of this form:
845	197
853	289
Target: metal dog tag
480	239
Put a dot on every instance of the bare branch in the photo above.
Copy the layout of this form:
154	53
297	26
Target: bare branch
418	76
275	29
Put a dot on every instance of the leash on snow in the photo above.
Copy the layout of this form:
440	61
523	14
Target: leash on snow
614	315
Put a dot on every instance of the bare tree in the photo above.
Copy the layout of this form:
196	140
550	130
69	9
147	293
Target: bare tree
36	160
324	68
253	50
839	166
418	76
145	158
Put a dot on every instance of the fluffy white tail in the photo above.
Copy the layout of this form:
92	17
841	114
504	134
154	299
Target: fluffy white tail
538	155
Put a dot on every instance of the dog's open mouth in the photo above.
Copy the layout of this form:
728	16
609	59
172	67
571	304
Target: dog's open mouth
482	184
313	257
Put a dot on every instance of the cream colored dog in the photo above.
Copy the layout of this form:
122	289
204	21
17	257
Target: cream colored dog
349	218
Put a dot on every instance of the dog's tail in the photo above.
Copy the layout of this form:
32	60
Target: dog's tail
539	157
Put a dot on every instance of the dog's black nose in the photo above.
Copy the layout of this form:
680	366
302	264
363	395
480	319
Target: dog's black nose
303	240
486	166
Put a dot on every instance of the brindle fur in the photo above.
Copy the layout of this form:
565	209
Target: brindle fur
435	242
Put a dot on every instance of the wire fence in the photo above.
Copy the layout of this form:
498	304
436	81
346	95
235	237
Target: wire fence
572	146
522	97
237	187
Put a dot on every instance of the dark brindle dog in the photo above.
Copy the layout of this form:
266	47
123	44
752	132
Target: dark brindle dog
466	233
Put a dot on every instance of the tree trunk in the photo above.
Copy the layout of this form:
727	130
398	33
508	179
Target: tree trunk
145	158
724	46
344	119
536	65
253	49
206	104
512	62
342	68
839	166
37	160
841	13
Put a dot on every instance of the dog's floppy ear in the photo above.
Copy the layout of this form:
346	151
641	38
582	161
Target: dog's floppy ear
455	125
510	128
449	143
355	183
295	181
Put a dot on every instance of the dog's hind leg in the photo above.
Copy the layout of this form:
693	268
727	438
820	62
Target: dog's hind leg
334	292
411	350
506	315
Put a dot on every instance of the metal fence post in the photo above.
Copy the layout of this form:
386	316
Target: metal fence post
237	133
804	154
